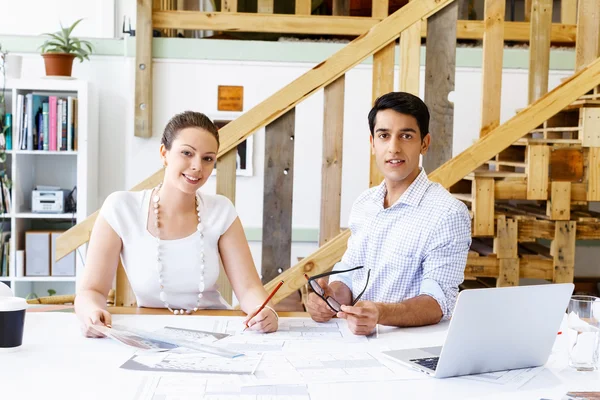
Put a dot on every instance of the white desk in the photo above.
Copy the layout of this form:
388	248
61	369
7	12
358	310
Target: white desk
57	362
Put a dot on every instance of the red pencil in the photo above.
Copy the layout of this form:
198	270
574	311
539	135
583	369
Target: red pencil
266	301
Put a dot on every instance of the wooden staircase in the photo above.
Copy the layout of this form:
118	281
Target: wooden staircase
514	252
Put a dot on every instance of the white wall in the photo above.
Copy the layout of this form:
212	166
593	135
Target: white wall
34	17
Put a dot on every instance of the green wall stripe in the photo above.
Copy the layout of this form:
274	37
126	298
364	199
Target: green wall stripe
247	50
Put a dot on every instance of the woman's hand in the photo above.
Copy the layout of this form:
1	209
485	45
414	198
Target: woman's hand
95	317
265	321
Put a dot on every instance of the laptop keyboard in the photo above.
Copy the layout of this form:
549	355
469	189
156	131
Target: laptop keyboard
429	362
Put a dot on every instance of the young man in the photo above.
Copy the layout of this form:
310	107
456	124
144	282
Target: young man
409	234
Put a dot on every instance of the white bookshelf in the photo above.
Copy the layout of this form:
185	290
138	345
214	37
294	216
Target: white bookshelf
66	169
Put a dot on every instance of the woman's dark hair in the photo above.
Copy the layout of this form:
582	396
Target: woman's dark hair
187	119
404	103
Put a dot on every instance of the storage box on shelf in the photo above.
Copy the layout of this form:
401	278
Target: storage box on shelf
73	169
537	189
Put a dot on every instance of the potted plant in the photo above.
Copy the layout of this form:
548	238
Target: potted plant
61	48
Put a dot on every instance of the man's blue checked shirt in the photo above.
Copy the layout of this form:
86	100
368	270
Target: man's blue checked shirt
417	246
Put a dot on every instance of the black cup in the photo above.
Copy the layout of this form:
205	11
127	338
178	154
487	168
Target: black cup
12	322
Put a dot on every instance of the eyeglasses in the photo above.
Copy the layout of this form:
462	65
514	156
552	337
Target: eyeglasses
331	302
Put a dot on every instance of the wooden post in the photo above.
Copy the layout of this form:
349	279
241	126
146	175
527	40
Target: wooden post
264	6
538	159
539	48
559	205
410	59
483	207
383	78
229	5
527	10
588	27
341	7
440	65
226	182
331	170
124	296
303	7
143	70
593	174
563	251
493	48
278	190
568	12
506	248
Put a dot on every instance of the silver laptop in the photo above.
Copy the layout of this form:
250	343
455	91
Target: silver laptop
495	329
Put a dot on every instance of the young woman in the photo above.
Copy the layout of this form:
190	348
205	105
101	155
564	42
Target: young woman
172	238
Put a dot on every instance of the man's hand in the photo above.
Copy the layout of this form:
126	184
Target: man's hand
362	317
316	306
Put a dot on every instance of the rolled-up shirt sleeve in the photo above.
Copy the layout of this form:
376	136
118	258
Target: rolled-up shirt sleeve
446	258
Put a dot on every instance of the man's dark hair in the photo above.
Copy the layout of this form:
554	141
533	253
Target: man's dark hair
404	103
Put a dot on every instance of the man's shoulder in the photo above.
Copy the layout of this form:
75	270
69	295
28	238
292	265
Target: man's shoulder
441	200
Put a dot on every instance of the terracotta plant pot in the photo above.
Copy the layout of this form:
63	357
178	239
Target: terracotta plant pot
58	64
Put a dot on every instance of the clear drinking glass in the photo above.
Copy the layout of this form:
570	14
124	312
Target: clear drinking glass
583	332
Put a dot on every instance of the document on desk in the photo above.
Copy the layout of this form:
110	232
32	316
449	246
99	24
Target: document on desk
321	367
513	379
185	360
172	387
300	329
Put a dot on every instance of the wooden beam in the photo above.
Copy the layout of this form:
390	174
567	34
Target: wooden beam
124	296
318	262
505	242
517	190
593	174
493	49
588	230
440	65
278	189
410	59
264	6
383	82
277	104
303	7
588	27
559	204
530	229
143	70
563	251
538	161
383	79
539	48
379	8
536	268
483	207
513	129
341	7
229	6
527	4
568	12
226	183
335	25
331	169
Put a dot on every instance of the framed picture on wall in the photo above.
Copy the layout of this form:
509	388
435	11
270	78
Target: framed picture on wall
244	150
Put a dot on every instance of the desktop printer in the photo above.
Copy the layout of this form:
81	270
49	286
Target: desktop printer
47	201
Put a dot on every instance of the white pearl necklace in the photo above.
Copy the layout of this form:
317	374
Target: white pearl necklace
160	266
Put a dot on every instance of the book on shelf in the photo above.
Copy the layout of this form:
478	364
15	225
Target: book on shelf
46	122
5	253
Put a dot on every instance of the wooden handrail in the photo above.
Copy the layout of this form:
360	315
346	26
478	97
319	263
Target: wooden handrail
456	168
279	103
333	25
